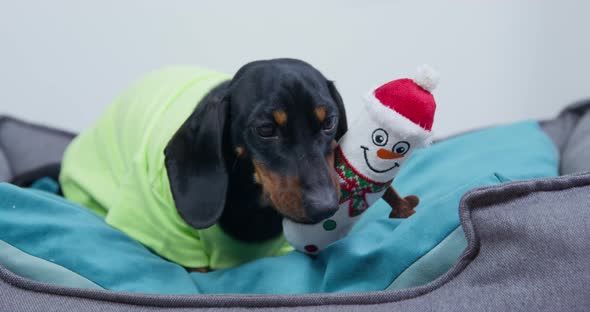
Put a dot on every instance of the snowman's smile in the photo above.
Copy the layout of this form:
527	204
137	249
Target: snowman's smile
365	150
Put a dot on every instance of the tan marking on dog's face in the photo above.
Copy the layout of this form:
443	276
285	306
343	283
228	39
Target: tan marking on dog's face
284	192
320	113
334	145
240	151
280	117
332	168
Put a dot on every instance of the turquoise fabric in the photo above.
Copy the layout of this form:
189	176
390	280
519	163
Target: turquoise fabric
39	269
434	263
368	260
378	254
47	226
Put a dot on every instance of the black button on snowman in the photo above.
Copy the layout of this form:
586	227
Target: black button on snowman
396	121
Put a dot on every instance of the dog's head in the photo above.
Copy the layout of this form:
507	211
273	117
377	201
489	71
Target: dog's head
282	117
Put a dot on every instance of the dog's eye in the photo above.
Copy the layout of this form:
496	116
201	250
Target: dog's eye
266	131
401	147
329	123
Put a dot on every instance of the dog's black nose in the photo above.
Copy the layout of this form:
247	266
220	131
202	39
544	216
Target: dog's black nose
318	189
321	208
322	213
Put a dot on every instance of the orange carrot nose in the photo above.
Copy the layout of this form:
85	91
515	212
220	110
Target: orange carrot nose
387	154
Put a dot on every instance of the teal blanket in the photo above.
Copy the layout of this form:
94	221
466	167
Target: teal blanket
47	238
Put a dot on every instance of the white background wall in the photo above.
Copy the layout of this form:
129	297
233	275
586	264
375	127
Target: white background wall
62	62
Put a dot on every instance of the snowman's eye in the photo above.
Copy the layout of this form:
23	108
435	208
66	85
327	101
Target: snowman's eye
401	147
380	137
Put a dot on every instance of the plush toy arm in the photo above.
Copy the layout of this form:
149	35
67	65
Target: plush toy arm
400	207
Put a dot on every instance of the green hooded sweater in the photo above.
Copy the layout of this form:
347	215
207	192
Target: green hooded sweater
116	168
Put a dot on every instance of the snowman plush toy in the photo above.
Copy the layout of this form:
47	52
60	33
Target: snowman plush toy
396	120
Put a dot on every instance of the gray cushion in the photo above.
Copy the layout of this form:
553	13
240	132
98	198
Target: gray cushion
5	172
25	146
570	132
576	156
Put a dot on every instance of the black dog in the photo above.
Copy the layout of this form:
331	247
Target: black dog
259	148
256	149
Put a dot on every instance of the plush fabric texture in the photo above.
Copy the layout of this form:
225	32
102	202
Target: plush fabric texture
368	157
49	227
116	168
357	193
405	97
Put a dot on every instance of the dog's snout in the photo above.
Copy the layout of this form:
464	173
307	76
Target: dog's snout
321	206
319	187
322	213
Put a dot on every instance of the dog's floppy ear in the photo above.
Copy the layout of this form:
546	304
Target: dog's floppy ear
196	166
342	124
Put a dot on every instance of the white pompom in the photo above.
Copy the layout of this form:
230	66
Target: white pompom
426	77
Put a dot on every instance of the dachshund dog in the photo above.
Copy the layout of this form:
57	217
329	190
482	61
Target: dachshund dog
259	148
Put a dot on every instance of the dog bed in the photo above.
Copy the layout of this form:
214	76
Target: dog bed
505	236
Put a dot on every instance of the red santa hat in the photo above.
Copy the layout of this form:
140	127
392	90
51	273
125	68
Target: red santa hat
407	103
